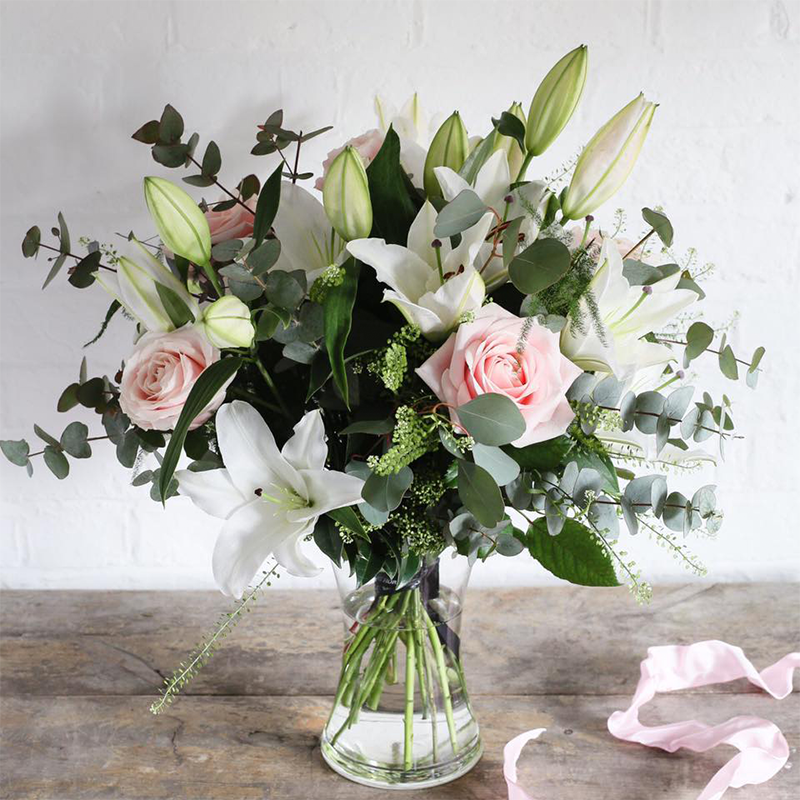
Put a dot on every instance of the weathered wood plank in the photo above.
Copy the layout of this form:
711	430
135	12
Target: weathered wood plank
257	747
567	640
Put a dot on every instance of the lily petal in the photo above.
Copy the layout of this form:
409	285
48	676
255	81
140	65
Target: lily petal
289	554
307	448
394	265
451	183
421	235
493	179
211	491
327	489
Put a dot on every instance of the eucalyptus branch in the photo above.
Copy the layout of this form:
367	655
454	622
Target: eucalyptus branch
72	255
707	350
227	192
60	448
297	158
675	421
181	676
639	243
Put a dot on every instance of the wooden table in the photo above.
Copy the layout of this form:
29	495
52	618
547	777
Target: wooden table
79	670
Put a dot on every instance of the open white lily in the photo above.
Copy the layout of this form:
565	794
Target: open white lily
308	241
432	291
270	499
492	186
628	313
135	286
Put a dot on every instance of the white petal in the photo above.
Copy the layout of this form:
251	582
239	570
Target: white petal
451	183
421	235
493	180
394	265
304	231
211	491
250	453
307	448
247	538
327	489
412	159
289	554
429	322
472	240
459	294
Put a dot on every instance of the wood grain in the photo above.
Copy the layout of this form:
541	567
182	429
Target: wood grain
77	669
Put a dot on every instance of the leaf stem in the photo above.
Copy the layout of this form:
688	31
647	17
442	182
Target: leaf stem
639	243
72	255
227	192
270	383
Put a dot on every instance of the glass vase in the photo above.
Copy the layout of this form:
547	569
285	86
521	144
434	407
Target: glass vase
401	717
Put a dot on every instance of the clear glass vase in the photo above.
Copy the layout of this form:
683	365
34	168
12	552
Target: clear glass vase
401	718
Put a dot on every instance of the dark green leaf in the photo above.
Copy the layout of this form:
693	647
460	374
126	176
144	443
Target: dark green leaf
241	282
500	466
16	451
73	440
69	398
539	265
311	322
45	436
301	352
148	133
283	289
54	270
92	393
511	240
698	338
602	464
170	127
198	180
368	568
376	427
509	125
462	212
115	424
492	419
191	146
226	251
477	158
177	310
542	456
327	538
338	310
56	462
659	223
393	206
480	494
170	155
269	320
509	545
385	492
250	185
267	206
306	136
212	160
112	309
127	449
727	363
211	380
348	518
575	555
30	244
264	257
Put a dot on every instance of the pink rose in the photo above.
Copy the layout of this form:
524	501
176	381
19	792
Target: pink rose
367	146
504	354
235	223
159	375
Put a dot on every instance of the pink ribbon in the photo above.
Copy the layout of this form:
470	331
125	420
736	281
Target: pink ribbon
763	750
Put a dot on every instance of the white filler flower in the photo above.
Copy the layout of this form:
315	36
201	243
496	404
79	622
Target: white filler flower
270	499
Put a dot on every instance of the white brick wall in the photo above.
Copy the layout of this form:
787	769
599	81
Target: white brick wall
79	77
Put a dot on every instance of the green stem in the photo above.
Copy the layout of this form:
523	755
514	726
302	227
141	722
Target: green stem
524	168
443	680
408	717
270	383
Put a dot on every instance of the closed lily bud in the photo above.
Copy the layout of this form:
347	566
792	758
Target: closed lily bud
181	224
608	159
449	148
510	145
556	100
227	323
345	196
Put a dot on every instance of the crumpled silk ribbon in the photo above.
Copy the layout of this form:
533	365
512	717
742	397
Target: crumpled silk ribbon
763	750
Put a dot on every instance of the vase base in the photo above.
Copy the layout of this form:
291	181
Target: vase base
393	778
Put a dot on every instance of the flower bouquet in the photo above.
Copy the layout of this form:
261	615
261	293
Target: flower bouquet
440	361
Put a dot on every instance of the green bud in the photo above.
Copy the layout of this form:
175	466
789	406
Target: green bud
345	196
181	224
511	145
608	159
226	323
556	100
449	148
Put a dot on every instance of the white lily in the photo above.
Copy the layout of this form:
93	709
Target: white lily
627	313
492	186
639	445
135	284
411	125
270	499
432	298
308	241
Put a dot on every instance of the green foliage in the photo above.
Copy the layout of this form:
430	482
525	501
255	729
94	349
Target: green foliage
462	212
267	206
492	419
480	493
413	436
658	221
539	266
338	309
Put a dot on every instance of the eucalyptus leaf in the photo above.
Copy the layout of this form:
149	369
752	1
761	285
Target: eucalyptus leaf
727	363
500	466
659	222
385	492
264	257
56	462
461	213
16	451
480	493
492	419
241	282
539	265
74	440
698	339
267	206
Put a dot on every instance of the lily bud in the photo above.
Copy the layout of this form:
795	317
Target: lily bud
181	224
556	100
449	148
135	286
510	145
226	323
345	196
608	159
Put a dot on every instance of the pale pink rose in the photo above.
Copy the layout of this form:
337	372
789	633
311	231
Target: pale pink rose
503	354
367	146
235	223
159	375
